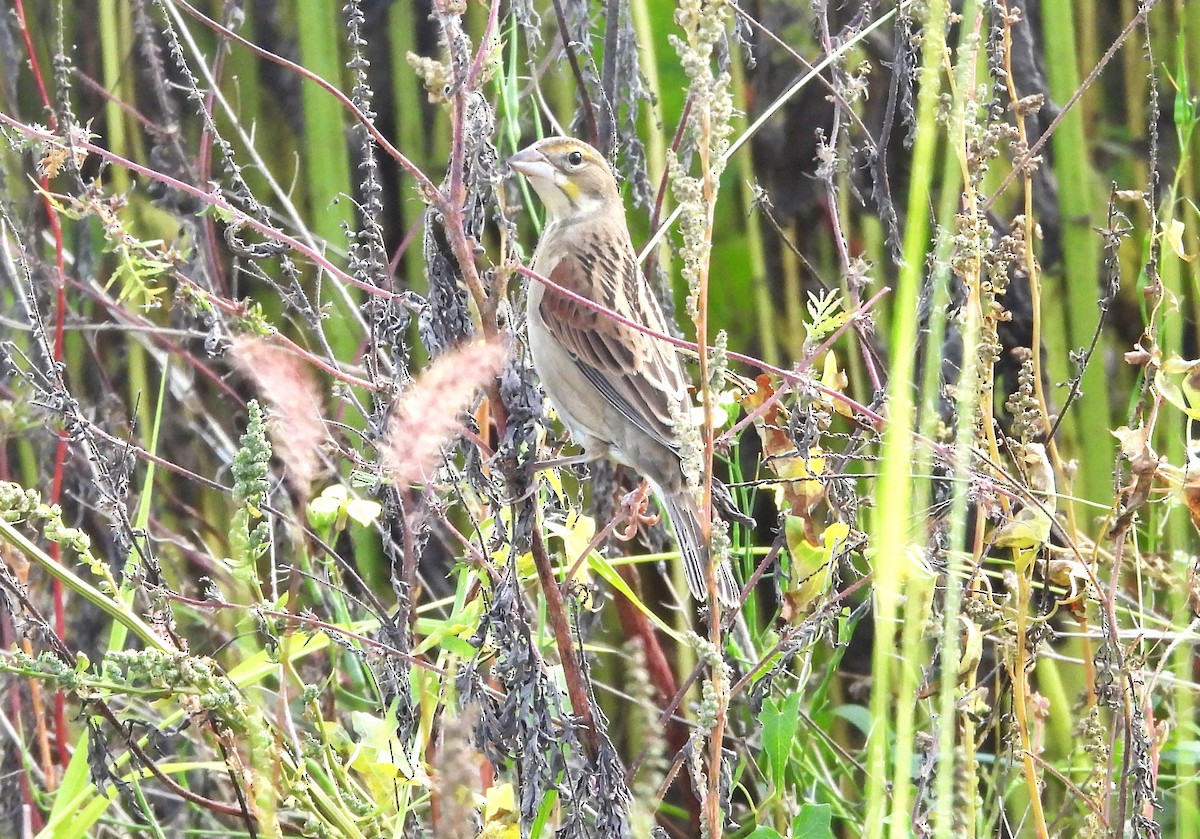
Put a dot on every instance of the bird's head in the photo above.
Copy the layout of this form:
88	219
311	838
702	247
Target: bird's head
571	177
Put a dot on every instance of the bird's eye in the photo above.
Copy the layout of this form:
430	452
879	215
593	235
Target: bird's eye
575	158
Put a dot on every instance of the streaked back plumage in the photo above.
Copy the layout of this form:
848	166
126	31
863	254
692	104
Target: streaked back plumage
619	391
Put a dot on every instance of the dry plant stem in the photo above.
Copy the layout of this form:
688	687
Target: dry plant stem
1022	163
239	309
859	316
210	198
713	818
1031	269
375	604
774	108
1088	801
589	111
1020	679
283	700
101	708
561	626
665	181
485	45
985	388
61	448
872	355
425	185
1033	274
669	777
786	636
1109	605
451	202
215	265
834	94
140	325
315	625
768	561
242	811
840	107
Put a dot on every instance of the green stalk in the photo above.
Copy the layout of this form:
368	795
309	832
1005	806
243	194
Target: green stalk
892	529
1180	537
326	158
948	771
117	633
112	57
656	156
114	608
1179	533
1081	254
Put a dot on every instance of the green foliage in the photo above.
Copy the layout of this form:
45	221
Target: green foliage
780	721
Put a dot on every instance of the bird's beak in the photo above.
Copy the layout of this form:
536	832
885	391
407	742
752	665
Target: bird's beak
533	164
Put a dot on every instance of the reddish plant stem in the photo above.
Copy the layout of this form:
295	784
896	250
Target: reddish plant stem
808	359
662	678
481	54
213	199
638	626
556	611
137	323
713	817
61	448
795	375
450	203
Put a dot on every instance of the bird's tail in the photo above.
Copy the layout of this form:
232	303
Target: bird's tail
685	518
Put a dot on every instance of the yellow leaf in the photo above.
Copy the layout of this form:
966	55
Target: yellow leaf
498	801
1028	530
576	532
1173	234
554	479
835	379
811	565
971	651
1179	383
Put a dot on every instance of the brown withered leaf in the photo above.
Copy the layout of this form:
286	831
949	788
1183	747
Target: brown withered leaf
801	487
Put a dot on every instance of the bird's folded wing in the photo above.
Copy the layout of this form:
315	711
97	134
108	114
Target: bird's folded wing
638	374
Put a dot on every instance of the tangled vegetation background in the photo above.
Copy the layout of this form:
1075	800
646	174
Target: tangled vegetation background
284	552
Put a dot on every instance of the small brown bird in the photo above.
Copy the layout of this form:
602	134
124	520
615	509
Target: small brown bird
618	391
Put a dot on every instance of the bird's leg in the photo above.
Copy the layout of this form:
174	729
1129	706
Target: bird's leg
635	506
563	462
